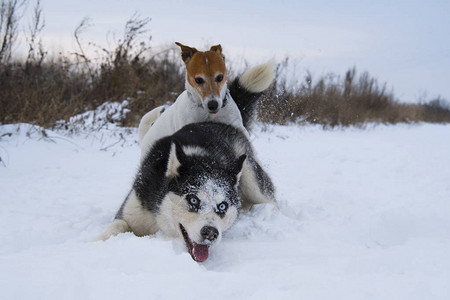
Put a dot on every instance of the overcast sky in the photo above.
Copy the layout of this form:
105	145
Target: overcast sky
403	43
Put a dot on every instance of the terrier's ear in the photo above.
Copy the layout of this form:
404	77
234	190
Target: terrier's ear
218	50
176	157
186	52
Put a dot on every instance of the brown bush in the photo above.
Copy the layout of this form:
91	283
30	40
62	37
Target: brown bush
42	91
335	101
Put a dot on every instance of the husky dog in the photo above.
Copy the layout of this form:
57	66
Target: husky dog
192	184
207	97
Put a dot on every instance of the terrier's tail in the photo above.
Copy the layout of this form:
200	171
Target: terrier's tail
247	88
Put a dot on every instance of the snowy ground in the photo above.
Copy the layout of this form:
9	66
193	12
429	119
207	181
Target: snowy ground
365	214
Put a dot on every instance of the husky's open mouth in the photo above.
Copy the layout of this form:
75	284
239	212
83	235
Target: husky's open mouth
199	252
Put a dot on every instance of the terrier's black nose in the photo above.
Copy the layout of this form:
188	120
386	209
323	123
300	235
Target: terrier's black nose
209	233
213	105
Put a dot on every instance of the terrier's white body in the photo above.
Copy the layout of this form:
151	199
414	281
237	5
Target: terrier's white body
184	111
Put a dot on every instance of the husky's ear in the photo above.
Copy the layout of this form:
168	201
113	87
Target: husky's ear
176	157
238	168
186	52
217	49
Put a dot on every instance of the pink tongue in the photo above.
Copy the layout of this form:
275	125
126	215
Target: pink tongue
200	252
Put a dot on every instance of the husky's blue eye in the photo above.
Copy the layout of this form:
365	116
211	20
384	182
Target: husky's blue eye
194	202
222	207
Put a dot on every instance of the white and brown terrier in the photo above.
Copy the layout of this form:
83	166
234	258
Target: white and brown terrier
206	97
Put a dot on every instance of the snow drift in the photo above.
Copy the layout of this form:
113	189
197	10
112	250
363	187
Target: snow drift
364	215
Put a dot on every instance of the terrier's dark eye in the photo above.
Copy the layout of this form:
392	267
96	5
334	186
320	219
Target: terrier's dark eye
194	202
199	80
219	78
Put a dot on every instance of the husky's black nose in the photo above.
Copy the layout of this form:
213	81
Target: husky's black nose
213	105
209	233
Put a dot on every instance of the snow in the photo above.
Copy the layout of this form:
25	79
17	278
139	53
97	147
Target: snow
106	116
364	214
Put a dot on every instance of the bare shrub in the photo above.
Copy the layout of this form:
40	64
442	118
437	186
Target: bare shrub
334	101
43	91
131	71
437	111
9	20
36	52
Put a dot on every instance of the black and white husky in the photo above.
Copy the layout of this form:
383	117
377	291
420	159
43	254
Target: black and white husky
192	184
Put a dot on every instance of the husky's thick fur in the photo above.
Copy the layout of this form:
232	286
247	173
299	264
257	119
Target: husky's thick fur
192	184
207	97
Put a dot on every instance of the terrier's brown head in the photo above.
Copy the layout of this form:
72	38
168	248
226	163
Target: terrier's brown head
206	75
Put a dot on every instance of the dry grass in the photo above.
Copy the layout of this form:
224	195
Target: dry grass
42	91
43	94
335	101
